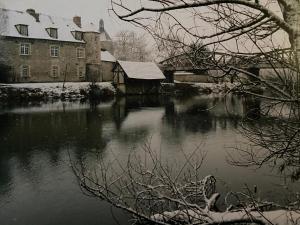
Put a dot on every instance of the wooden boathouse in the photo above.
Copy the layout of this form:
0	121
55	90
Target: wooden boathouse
137	77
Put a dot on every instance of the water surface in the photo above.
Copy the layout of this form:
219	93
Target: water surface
37	186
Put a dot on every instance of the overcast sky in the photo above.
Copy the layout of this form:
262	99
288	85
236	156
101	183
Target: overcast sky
90	10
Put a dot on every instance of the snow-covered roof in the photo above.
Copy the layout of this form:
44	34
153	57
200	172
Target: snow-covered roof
89	27
104	36
107	57
142	70
37	30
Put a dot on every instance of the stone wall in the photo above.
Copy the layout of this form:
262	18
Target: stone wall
107	71
93	56
108	46
92	48
192	78
40	61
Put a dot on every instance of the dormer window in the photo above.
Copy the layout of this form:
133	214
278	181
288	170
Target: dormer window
52	32
22	29
78	35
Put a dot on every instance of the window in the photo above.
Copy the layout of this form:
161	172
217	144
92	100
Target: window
24	49
80	71
78	35
54	71
52	32
25	71
80	52
54	51
22	29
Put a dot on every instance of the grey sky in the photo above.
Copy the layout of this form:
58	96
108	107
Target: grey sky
89	10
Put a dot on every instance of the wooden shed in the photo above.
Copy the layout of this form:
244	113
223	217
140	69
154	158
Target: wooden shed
137	77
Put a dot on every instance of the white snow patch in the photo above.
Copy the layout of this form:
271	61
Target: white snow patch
107	57
57	88
276	217
142	70
37	30
216	88
143	118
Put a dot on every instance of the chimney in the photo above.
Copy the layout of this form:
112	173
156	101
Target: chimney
101	26
34	14
77	20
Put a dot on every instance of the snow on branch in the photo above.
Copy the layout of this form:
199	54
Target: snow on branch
150	189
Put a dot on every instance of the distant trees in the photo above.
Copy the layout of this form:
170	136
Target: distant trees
194	51
234	27
130	46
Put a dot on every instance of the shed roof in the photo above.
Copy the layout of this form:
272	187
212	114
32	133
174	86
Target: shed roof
142	70
107	57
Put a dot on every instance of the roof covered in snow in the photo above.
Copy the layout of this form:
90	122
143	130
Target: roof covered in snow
107	56
104	36
37	29
142	70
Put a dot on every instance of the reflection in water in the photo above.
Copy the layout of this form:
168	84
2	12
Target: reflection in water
37	185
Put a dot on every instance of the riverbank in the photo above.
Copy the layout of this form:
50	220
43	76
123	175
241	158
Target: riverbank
186	88
60	91
70	91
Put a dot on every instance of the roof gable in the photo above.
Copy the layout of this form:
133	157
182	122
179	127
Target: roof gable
107	57
104	36
142	70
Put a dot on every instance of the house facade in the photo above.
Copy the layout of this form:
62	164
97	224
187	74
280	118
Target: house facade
41	48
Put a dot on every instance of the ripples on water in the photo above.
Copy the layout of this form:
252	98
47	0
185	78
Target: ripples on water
37	186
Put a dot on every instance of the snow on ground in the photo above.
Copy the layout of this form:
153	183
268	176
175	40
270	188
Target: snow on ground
211	87
216	88
46	91
59	87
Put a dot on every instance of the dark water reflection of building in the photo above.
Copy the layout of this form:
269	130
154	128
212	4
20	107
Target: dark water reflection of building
54	129
35	142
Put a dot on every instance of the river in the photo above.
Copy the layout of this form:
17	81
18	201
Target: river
38	187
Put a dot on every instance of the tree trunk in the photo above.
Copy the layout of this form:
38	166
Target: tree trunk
291	14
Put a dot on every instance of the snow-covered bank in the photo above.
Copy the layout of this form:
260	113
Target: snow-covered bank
215	88
45	91
189	88
84	90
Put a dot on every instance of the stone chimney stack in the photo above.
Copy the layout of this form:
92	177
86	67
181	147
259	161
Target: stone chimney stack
101	26
77	20
34	14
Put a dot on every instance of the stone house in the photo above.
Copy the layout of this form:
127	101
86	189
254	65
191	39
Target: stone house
137	77
43	48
